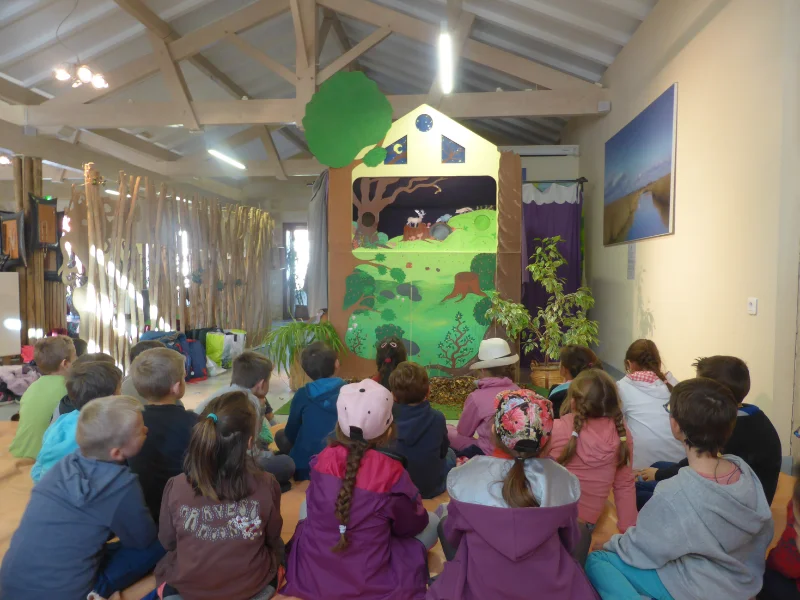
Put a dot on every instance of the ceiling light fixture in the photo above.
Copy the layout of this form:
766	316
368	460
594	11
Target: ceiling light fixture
4	160
79	75
112	192
446	60
227	159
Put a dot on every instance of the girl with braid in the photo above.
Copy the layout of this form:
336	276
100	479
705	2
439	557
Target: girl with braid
363	532
594	444
644	391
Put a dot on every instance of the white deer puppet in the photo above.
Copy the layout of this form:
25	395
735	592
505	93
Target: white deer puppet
415	221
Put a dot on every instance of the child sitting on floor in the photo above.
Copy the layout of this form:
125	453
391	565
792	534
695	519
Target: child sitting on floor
782	577
54	356
497	366
574	359
158	375
363	512
251	375
60	549
65	404
421	430
221	519
705	532
512	521
127	384
86	381
312	415
391	352
754	438
643	392
594	444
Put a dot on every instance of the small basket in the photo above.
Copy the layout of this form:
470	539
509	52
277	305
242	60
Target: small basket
545	377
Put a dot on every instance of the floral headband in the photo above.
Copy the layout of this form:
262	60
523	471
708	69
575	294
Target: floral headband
523	415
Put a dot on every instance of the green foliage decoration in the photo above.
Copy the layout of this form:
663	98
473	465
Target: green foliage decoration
347	114
484	266
375	157
285	343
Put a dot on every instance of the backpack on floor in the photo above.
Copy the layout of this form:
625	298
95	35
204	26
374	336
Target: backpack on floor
200	334
197	361
233	346
215	344
174	340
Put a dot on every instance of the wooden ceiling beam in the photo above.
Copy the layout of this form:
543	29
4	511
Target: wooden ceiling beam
293	167
351	55
176	84
304	16
138	144
478	52
273	65
180	49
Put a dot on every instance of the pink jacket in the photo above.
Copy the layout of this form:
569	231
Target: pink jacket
479	411
595	466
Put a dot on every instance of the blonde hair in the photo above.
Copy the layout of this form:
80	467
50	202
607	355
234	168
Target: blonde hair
107	423
50	352
155	371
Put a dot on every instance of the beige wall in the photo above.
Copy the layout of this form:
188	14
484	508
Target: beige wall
736	212
539	168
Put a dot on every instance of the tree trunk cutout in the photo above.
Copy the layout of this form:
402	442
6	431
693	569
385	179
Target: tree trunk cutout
465	283
370	205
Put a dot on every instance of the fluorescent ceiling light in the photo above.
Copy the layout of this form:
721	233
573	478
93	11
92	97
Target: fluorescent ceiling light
227	159
112	192
446	62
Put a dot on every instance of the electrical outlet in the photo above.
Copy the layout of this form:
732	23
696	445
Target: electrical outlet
752	306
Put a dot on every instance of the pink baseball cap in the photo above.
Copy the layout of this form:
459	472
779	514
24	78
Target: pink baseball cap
365	410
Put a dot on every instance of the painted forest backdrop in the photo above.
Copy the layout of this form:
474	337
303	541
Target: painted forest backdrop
426	249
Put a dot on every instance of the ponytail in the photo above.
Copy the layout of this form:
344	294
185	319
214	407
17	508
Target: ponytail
356	450
516	488
645	354
572	446
355	453
218	460
624	449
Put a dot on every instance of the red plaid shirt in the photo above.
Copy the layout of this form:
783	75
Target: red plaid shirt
643	376
785	558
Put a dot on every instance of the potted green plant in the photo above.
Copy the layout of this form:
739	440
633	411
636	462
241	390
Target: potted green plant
284	345
563	320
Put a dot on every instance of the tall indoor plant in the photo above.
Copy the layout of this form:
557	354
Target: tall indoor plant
563	320
284	345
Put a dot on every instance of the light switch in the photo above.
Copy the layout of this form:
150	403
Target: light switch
752	306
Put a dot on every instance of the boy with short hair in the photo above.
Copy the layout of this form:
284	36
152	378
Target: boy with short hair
312	416
421	430
64	405
60	549
86	381
707	528
754	438
158	375
53	356
127	384
251	374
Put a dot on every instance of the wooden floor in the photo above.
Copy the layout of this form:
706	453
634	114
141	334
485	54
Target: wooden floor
16	484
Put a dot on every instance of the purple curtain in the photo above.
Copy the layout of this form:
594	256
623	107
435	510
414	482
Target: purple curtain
546	214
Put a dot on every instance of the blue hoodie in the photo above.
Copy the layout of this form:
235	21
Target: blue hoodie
57	550
58	441
422	439
312	418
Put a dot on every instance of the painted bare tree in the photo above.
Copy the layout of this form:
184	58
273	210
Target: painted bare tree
375	197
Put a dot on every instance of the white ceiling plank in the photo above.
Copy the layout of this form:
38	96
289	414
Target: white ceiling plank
572	19
273	65
176	84
182	48
12	11
631	8
348	57
473	50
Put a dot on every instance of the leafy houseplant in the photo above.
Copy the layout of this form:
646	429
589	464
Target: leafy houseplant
563	320
285	344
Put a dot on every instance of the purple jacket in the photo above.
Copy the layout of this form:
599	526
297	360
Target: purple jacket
512	553
479	410
383	561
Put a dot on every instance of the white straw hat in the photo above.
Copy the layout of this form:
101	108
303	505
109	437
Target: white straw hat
494	352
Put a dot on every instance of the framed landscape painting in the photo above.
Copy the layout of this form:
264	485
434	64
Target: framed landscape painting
639	194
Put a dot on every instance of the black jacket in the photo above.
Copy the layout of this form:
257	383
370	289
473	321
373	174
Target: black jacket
422	439
755	441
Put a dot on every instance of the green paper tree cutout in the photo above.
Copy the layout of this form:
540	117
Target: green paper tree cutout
375	157
347	114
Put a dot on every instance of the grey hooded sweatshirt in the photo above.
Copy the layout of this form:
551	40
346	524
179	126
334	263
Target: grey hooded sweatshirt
706	540
74	509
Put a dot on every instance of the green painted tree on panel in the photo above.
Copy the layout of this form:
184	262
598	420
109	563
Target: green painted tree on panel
347	114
